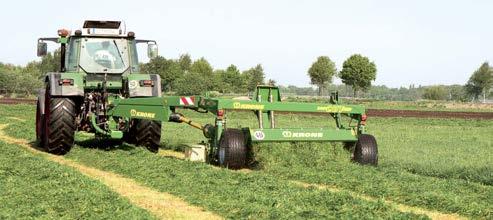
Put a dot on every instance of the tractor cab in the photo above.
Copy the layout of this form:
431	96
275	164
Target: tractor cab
101	47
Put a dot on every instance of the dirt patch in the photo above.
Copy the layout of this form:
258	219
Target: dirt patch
17	101
162	205
403	208
428	114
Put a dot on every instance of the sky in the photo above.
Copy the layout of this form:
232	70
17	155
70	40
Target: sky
411	42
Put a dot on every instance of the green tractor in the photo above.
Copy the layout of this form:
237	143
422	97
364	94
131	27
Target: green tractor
98	64
99	89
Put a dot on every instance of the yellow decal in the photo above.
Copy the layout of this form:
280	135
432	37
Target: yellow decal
334	108
289	134
135	113
238	105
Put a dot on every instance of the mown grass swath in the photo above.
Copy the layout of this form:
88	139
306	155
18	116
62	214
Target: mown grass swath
232	194
33	187
409	149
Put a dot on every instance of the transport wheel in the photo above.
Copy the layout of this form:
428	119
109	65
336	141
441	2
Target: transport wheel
365	150
59	125
39	126
146	133
232	149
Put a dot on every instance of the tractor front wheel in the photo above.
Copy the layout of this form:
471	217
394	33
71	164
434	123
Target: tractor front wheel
365	150
232	149
59	125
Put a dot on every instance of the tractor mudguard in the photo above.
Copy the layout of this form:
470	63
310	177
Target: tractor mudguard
65	84
41	100
144	85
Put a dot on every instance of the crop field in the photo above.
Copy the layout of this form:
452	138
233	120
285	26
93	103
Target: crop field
428	168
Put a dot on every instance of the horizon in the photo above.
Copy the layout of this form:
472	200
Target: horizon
421	43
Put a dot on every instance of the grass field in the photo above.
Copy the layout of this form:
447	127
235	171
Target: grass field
31	187
441	165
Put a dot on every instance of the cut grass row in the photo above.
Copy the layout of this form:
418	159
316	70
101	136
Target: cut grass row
443	148
313	163
432	163
231	194
32	187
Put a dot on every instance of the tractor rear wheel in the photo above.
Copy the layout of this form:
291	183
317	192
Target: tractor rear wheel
59	125
365	150
233	149
146	133
39	125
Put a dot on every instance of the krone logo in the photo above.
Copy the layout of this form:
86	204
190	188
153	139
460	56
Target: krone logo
238	105
135	113
287	134
334	108
259	135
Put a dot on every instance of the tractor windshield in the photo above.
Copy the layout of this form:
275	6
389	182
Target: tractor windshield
103	55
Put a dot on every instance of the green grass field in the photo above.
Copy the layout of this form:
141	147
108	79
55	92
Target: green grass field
442	165
32	187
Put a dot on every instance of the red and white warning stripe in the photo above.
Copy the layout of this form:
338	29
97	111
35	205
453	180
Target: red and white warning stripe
186	100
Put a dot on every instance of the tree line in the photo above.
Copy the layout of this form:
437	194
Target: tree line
184	76
26	80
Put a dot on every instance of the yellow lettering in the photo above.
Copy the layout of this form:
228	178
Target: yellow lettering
238	105
135	113
334	108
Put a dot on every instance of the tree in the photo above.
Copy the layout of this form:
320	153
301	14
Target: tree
480	81
50	62
192	83
231	79
202	67
321	73
254	76
185	62
435	93
457	93
169	70
358	72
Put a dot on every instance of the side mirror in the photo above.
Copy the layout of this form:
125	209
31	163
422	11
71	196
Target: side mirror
152	51
42	48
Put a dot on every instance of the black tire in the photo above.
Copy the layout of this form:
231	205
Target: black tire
349	146
366	150
129	136
147	133
59	125
39	126
233	149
